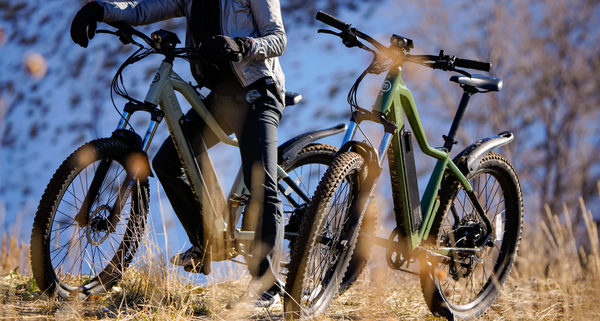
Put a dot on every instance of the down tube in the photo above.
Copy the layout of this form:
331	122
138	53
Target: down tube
212	213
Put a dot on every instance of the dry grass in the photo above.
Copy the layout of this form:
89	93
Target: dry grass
554	279
13	254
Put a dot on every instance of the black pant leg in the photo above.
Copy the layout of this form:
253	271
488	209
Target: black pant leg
258	146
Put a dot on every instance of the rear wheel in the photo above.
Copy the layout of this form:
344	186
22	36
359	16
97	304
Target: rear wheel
90	219
471	282
326	240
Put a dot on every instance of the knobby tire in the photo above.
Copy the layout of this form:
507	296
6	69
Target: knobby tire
317	236
96	254
452	290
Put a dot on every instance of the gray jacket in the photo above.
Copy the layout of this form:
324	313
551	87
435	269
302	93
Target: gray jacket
256	19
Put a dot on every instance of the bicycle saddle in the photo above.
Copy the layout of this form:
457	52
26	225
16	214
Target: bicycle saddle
479	81
292	98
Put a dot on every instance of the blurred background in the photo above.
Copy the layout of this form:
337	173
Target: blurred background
55	95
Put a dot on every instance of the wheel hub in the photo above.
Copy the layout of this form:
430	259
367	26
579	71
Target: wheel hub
97	229
469	233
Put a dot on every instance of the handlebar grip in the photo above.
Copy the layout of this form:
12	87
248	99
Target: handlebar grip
473	64
331	20
234	56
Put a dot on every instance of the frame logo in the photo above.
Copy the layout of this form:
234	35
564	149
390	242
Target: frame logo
387	85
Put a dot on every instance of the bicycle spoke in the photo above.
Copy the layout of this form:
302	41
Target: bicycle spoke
467	288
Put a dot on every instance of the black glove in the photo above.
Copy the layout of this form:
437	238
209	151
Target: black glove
223	48
84	24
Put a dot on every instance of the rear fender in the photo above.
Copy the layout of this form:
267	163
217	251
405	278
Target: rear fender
288	151
468	160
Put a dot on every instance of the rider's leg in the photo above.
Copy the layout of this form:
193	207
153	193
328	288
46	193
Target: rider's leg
258	148
255	125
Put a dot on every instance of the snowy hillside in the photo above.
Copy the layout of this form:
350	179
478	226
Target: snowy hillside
55	94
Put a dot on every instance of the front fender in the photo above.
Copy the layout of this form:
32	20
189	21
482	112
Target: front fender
135	141
287	151
468	160
368	153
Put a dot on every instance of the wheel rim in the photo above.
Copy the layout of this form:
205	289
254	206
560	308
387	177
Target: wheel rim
307	175
325	255
464	285
83	257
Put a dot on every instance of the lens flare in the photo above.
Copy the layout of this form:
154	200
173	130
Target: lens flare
36	65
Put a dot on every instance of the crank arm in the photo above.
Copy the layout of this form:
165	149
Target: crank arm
290	235
448	249
385	243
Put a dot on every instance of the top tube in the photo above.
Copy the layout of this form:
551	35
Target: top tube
156	92
395	95
191	96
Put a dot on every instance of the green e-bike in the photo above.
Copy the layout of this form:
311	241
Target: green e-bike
465	230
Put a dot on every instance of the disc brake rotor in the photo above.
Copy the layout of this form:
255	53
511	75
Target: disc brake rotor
97	228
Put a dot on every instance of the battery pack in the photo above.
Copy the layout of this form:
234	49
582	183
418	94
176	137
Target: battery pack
410	172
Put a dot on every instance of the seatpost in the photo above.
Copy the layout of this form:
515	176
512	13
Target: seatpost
462	107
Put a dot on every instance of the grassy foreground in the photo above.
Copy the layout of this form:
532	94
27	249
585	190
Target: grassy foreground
554	279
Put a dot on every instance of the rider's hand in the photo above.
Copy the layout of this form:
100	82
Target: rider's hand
85	22
221	48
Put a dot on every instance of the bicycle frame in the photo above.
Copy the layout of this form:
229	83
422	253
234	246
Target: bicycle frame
394	97
215	208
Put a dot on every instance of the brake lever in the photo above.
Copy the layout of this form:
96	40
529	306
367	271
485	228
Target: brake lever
106	31
349	37
331	32
125	35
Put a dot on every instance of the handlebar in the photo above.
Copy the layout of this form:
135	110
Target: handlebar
331	20
125	33
473	64
159	43
400	53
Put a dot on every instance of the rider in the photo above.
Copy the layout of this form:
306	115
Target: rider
246	99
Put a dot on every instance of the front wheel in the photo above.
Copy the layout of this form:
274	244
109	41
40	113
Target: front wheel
471	281
326	240
90	219
306	171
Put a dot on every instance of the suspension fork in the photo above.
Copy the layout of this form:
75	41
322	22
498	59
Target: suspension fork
83	216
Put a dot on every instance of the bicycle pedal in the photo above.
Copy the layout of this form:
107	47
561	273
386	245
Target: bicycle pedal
200	268
193	269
